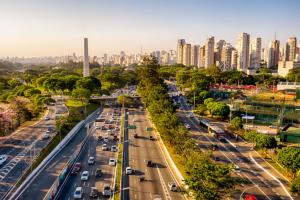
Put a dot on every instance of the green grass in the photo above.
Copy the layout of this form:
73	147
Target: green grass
74	103
119	164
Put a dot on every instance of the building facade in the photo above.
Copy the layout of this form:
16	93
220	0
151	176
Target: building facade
86	67
187	55
243	52
180	45
209	52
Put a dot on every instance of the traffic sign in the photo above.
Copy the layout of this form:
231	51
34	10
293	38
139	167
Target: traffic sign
131	127
149	129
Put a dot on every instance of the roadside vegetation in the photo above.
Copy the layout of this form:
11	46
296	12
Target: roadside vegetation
205	178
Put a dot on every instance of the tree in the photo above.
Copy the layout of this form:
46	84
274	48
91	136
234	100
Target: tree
200	109
125	99
265	141
207	101
90	83
30	92
14	83
82	94
236	123
290	158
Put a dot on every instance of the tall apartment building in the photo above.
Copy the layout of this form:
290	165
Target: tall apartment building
180	45
255	53
234	59
273	53
226	56
186	58
195	55
218	51
86	67
209	52
243	51
290	50
201	57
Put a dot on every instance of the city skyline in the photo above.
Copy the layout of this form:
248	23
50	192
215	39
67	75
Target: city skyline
45	34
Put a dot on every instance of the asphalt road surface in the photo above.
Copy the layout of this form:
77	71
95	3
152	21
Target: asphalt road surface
42	183
141	150
93	147
234	152
21	148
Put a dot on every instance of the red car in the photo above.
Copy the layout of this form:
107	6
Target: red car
76	168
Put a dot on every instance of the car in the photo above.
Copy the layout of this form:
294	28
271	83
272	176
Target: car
45	136
172	187
157	197
91	160
214	147
222	139
180	108
100	138
151	137
112	162
3	158
128	170
187	126
106	139
135	120
94	192
106	190
85	176
190	115
149	163
104	147
76	168
47	118
78	193
237	169
98	172
114	148
135	135
217	159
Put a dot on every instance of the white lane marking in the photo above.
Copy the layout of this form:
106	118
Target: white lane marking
164	186
261	167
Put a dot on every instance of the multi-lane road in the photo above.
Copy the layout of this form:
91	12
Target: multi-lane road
94	147
141	150
21	148
267	183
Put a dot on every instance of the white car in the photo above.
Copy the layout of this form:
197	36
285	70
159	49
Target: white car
237	169
45	136
128	170
104	147
47	118
106	139
3	158
172	186
85	176
78	193
112	162
187	126
91	160
113	148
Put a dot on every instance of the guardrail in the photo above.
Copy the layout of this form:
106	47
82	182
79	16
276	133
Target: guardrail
47	160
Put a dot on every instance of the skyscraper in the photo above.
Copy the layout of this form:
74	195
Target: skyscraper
209	52
195	55
255	53
187	55
86	67
180	44
243	52
291	47
226	56
201	57
234	57
218	52
273	54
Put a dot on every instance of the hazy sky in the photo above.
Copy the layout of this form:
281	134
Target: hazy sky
57	27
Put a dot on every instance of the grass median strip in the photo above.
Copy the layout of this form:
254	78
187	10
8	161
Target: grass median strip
119	164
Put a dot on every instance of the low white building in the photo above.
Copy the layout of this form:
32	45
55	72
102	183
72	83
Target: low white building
285	66
288	86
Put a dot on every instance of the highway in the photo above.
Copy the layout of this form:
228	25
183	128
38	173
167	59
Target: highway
264	185
21	148
39	187
93	147
142	149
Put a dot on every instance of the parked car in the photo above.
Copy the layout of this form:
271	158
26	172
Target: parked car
91	160
104	147
78	193
106	190
151	138
187	126
85	176
98	173
47	118
172	186
94	192
112	162
135	135
76	168
100	138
